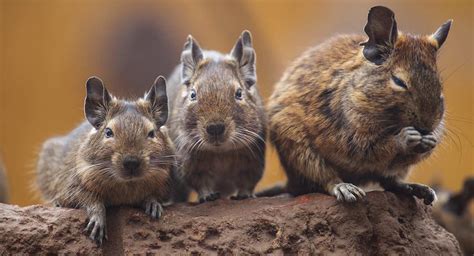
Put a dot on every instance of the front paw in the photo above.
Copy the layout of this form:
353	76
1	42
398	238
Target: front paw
428	142
209	197
411	189
412	140
347	192
242	196
423	192
96	228
153	208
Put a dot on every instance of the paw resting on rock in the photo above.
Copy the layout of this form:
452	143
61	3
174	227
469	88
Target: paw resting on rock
209	197
153	208
242	196
347	192
421	191
96	228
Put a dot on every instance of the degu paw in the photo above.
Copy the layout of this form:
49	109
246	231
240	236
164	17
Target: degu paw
240	196
209	197
96	228
428	142
153	208
412	139
423	192
347	192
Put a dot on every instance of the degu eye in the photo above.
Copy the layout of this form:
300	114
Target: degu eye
238	94
192	94
399	82
151	134
109	133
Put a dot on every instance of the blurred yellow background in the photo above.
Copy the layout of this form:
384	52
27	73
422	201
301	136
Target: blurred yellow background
49	48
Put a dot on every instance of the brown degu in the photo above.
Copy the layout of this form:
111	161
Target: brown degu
119	156
359	109
217	120
451	211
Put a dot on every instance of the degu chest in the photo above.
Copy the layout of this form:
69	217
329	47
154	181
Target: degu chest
226	163
130	193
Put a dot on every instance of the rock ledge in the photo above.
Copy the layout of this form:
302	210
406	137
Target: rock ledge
311	224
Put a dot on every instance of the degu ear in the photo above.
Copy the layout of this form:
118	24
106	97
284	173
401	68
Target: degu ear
190	57
382	30
158	100
97	101
441	34
244	53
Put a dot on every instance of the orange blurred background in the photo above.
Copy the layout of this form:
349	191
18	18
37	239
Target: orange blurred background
49	48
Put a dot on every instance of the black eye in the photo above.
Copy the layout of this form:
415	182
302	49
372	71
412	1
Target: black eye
238	94
109	133
399	82
151	134
192	94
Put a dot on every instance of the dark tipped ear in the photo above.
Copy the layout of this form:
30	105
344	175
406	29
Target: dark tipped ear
158	101
190	57
97	101
382	30
244	53
442	33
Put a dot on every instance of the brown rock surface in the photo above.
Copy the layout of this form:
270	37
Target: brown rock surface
311	224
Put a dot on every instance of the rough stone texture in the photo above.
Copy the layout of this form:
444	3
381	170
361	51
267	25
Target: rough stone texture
311	224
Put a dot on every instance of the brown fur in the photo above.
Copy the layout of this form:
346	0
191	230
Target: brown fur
84	169
233	163
336	117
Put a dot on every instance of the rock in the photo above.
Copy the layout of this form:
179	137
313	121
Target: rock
311	224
